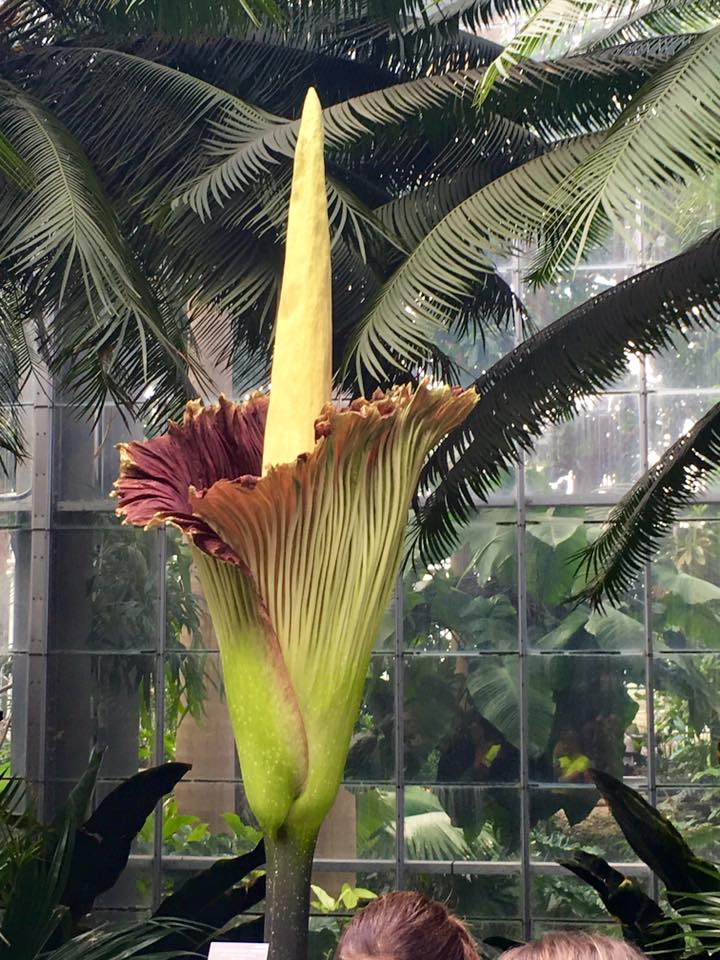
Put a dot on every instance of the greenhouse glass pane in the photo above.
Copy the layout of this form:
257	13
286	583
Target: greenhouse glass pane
469	601
595	454
566	818
462	719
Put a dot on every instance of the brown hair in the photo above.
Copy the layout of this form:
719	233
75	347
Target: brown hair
406	926
574	946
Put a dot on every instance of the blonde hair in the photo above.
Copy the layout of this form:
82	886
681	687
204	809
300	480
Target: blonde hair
574	946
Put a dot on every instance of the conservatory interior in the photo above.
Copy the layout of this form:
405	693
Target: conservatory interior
421	592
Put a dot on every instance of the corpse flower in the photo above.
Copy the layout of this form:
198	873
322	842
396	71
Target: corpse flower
295	510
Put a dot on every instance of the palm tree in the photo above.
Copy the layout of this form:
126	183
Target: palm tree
146	172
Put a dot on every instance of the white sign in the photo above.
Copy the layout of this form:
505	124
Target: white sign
238	951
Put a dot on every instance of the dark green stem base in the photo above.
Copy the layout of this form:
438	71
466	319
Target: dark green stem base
287	904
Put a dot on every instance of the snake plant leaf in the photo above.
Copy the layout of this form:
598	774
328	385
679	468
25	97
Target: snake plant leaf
655	840
643	921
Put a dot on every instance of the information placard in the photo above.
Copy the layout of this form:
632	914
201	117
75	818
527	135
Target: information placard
238	951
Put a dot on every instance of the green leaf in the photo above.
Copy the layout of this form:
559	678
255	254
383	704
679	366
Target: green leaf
12	165
63	239
77	806
655	840
429	832
553	20
661	17
664	138
583	92
443	272
692	590
249	141
556	530
495	689
616	630
558	638
17	360
324	899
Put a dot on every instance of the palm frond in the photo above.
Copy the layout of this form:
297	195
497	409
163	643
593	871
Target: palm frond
340	57
249	142
542	380
413	215
429	290
190	19
16	363
661	142
583	92
647	512
12	165
480	13
551	22
148	110
661	18
139	940
63	244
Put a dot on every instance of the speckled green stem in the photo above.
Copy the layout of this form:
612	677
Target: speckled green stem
289	867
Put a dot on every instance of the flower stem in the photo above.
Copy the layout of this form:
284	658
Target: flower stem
287	904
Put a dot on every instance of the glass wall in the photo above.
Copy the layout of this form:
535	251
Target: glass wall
487	699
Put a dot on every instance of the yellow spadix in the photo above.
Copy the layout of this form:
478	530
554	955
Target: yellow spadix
301	377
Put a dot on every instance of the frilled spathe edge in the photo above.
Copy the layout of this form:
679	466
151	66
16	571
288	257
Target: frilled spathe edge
162	477
219	442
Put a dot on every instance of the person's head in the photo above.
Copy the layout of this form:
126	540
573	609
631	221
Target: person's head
405	926
574	946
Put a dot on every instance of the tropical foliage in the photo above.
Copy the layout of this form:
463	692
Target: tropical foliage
687	925
54	873
149	175
462	729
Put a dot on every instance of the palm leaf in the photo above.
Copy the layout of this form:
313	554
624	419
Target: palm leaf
16	363
140	940
543	379
63	237
413	215
12	165
626	20
249	142
662	18
583	92
647	512
552	21
661	142
36	893
456	257
191	18
139	95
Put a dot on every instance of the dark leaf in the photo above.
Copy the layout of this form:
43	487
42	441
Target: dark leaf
541	381
646	513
